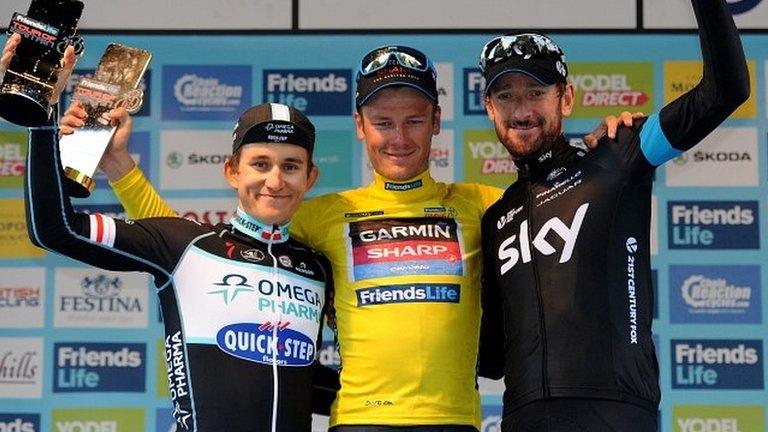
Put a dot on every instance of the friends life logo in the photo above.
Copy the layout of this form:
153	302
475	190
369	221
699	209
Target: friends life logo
205	92
19	422
474	91
717	364
715	294
316	92
145	85
99	367
713	225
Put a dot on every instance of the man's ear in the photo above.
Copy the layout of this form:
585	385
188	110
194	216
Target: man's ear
230	174
314	172
359	121
568	99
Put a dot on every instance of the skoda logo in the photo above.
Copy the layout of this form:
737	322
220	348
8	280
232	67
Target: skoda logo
742	6
174	159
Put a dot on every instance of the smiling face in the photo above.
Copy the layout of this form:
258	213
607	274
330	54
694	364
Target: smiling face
397	126
527	115
270	180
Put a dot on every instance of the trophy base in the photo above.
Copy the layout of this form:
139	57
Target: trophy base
78	185
23	106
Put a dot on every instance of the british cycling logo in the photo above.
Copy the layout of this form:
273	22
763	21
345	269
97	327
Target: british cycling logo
99	367
313	91
717	364
10	422
742	6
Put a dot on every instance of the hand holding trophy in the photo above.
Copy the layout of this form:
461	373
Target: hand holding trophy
37	60
114	85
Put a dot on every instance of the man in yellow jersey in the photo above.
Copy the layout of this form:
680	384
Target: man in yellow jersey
405	252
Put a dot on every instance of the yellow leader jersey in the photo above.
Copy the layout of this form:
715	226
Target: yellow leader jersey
406	265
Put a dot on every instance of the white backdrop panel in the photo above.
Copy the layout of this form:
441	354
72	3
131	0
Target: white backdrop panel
425	14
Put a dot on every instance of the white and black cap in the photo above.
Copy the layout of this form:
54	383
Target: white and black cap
274	123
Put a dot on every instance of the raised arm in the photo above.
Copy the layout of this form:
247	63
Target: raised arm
98	240
723	88
131	187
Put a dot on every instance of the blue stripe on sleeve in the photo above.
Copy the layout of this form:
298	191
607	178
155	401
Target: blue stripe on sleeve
654	145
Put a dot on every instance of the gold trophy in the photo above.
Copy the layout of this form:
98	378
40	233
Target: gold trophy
114	84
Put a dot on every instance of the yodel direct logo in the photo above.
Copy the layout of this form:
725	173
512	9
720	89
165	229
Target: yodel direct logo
713	225
19	422
717	364
313	91
718	418
99	367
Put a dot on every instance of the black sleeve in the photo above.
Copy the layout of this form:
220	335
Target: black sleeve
326	384
112	244
723	87
491	355
326	381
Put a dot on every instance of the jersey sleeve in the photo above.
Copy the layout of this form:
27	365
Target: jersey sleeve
723	88
491	352
112	244
306	222
487	195
139	198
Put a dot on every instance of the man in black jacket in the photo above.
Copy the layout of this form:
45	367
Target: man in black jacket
567	281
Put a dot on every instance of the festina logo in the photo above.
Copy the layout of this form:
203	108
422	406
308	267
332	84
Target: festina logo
101	294
510	254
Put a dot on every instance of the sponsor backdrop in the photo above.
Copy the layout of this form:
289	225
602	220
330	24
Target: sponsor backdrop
81	348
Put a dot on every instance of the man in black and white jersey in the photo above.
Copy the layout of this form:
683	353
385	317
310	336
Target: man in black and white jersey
243	302
567	287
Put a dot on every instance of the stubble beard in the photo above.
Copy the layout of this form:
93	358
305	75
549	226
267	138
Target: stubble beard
521	149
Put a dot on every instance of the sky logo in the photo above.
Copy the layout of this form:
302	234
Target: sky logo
717	364
715	294
99	367
313	91
713	225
